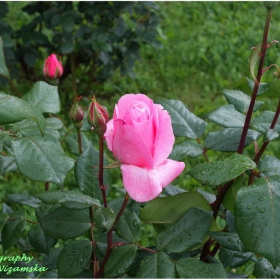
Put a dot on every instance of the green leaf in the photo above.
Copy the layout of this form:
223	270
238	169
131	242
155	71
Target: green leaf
104	217
24	199
257	210
233	259
44	209
42	159
13	109
193	268
70	200
6	209
263	122
184	123
68	23
172	190
38	240
56	19
230	197
227	140
157	266
3	219
169	209
254	59
43	96
227	116
263	87
230	221
229	240
264	269
271	135
7	164
209	197
240	100
67	47
65	223
270	166
271	90
12	230
72	143
220	172
128	226
74	258
3	68
184	234
28	127
50	261
186	148
119	261
3	135
86	169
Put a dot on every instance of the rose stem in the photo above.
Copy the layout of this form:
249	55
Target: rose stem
204	150
222	192
110	239
80	145
257	83
100	173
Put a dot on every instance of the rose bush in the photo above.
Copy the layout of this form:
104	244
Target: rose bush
52	67
140	136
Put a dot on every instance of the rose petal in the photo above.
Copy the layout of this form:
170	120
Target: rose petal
165	138
127	98
141	184
147	132
146	184
128	146
169	170
109	134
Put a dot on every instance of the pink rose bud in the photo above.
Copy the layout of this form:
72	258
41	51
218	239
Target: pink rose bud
97	117
76	113
53	68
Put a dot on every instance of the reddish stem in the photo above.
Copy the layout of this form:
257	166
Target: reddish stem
80	146
110	239
101	168
257	83
204	150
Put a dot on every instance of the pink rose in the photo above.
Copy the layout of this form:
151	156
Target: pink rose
140	136
52	67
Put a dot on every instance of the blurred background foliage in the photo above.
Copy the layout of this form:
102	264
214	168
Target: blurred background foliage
180	50
167	50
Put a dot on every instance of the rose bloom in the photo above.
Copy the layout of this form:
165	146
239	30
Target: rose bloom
141	138
52	67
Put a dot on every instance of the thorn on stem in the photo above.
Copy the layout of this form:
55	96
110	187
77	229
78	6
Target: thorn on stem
272	42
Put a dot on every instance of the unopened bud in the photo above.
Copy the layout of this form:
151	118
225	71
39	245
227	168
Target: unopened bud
52	67
97	117
76	113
